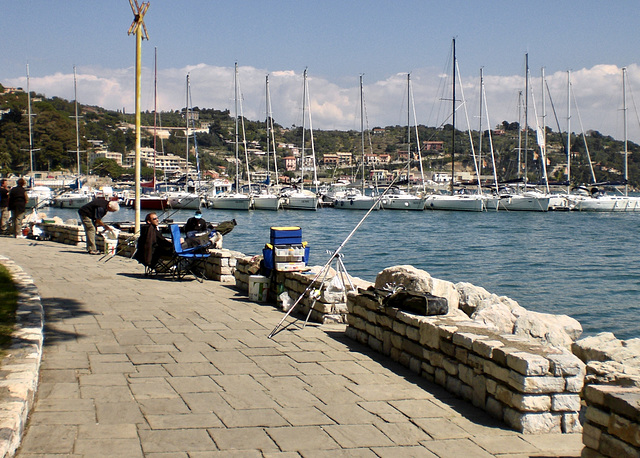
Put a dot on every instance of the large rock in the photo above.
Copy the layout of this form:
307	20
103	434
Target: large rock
413	279
471	296
496	316
554	330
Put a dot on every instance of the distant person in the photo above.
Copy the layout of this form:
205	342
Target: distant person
17	204
91	215
151	244
196	232
4	205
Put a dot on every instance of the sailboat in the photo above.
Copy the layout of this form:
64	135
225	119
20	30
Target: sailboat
234	200
597	200
77	197
187	198
354	198
455	201
295	198
397	198
263	196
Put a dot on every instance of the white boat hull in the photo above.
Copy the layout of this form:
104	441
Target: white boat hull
403	202
71	201
300	201
267	202
184	201
455	203
356	203
518	202
230	202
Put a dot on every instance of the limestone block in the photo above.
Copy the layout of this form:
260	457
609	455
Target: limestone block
533	422
450	366
574	384
565	402
396	341
466	374
527	363
429	335
466	392
480	390
476	362
453	385
532	384
428	368
446	289
597	416
566	364
375	344
612	446
384	321
462	355
496	316
494	407
624	429
400	328
531	403
446	332
485	347
411	348
413	333
415	365
499	355
492	386
498	372
440	377
591	436
504	395
571	423
466	339
447	348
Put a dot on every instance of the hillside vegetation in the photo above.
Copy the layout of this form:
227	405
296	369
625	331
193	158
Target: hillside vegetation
54	143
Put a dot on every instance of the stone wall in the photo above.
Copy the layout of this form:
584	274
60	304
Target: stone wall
612	395
533	388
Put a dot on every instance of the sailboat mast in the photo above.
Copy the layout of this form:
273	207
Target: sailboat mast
362	128
480	122
266	98
568	131
408	129
235	97
186	131
624	113
75	95
453	116
30	131
519	134
155	111
304	103
271	132
526	117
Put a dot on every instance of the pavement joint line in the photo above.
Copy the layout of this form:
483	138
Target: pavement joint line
26	347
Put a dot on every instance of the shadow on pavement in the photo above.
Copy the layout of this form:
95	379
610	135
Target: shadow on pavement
57	310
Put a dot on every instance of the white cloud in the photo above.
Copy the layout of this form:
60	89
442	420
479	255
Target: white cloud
598	94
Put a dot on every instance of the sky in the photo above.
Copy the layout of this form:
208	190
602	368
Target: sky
338	41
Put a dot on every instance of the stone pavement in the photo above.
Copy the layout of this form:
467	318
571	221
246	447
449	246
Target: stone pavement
136	366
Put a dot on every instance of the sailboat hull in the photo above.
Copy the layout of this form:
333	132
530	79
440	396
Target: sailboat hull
230	202
403	203
455	203
267	202
356	203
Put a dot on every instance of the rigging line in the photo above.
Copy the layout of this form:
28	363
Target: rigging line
540	140
584	138
633	102
244	137
313	149
415	120
493	157
333	256
466	113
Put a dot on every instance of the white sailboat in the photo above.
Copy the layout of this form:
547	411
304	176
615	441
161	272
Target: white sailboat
355	199
78	197
456	201
294	198
396	198
187	198
264	197
234	200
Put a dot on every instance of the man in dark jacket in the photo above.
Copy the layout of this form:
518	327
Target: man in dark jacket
4	205
151	244
17	204
91	215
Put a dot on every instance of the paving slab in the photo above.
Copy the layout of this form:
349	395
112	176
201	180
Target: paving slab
136	366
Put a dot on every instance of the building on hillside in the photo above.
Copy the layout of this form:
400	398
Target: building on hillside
103	153
378	131
433	146
169	164
290	163
337	159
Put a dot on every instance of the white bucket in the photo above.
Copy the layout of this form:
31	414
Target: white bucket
110	241
258	288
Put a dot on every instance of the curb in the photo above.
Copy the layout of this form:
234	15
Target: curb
21	365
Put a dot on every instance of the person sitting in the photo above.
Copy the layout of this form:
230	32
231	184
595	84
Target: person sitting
151	244
198	233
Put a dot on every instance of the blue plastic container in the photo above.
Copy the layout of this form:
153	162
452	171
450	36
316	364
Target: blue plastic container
286	235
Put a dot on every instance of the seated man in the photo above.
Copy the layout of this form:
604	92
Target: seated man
151	244
197	233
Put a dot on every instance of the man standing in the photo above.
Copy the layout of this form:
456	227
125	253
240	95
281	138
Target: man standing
18	204
4	205
91	215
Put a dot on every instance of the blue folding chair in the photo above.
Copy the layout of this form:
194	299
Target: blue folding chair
186	260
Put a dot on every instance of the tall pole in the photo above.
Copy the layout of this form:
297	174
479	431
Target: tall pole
624	112
408	130
526	114
138	27
568	132
75	94
453	117
30	131
480	122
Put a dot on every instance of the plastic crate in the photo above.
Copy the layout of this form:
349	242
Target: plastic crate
286	235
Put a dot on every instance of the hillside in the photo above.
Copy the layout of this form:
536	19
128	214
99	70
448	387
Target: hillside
54	143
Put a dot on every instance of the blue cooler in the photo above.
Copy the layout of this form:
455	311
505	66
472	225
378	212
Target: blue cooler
286	235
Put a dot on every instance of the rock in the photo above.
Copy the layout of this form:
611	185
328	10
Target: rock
495	316
408	276
470	296
612	373
418	280
600	347
555	330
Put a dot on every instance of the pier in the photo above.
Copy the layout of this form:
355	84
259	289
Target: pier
133	366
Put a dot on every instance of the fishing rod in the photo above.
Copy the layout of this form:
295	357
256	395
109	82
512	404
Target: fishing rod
333	256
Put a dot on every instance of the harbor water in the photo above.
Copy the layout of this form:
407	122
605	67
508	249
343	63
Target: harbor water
586	265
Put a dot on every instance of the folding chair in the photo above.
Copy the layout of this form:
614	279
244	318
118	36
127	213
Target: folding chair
186	260
156	264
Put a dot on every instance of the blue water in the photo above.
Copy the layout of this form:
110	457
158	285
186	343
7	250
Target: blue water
586	265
